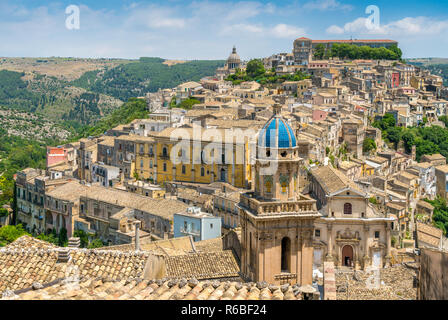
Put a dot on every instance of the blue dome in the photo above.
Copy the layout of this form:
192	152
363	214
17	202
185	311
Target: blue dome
276	133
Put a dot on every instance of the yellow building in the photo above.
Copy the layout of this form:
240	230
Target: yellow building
417	82
156	158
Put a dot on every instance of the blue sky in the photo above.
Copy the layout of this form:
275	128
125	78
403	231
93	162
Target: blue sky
207	29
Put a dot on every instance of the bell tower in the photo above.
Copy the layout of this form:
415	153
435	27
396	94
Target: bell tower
277	222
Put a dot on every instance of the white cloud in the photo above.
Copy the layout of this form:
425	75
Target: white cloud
416	26
324	5
237	29
277	31
287	31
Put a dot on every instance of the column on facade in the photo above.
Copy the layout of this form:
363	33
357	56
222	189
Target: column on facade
155	163
330	242
388	246
55	222
366	246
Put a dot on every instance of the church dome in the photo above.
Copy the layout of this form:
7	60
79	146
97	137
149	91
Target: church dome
234	58
279	131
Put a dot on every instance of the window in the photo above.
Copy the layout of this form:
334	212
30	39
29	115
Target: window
202	171
141	163
164	152
348	208
286	255
183	170
377	234
164	166
317	233
150	163
211	225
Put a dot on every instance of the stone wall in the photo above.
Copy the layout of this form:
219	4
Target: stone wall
329	281
433	285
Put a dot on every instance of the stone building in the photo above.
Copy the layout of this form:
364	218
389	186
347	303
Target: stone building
277	222
351	232
353	134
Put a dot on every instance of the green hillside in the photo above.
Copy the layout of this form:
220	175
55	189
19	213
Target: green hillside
143	76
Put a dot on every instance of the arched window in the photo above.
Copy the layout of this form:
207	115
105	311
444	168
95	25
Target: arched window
286	255
165	151
347	208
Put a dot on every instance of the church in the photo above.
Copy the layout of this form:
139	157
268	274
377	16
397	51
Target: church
277	222
232	64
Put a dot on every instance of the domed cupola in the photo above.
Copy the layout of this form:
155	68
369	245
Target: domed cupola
234	61
277	133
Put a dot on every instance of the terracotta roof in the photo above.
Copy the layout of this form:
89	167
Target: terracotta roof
209	245
332	180
22	267
138	289
428	234
205	265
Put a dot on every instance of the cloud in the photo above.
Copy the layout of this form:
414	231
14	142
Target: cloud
277	31
324	5
410	26
287	31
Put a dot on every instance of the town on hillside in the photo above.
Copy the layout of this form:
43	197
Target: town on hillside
333	185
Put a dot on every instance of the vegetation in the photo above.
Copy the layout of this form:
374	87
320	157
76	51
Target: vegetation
188	104
440	216
368	145
133	109
145	75
255	71
10	234
17	154
352	52
372	200
428	140
97	243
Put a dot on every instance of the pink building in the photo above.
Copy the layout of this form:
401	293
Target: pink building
319	115
56	155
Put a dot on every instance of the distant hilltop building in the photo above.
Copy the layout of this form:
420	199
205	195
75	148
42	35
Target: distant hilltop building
303	47
233	63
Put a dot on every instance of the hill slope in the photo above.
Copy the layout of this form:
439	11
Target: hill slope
146	75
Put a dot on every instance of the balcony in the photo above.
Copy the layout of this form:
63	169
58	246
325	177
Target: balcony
164	156
261	207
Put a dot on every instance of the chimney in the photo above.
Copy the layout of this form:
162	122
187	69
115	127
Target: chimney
63	255
137	236
74	242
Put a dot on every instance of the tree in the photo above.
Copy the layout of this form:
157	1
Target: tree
319	51
10	234
188	104
444	119
255	68
408	138
97	243
368	145
83	237
62	238
393	134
